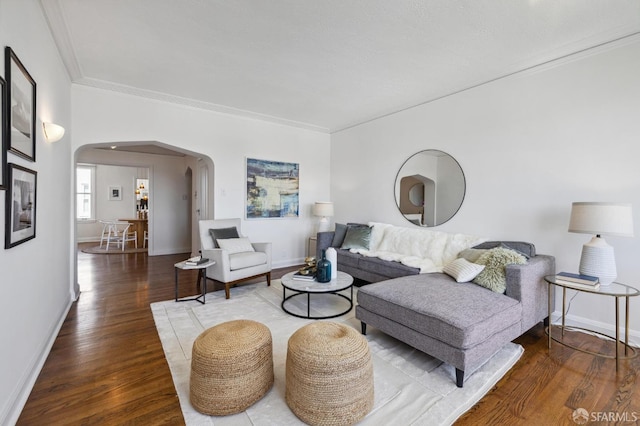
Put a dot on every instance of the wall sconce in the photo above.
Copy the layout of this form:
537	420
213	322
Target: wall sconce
52	132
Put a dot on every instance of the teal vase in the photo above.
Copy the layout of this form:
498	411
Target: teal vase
323	274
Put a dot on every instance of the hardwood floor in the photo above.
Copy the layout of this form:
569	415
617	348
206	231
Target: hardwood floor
107	365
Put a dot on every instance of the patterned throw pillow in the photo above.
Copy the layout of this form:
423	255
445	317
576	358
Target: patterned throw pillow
494	275
462	270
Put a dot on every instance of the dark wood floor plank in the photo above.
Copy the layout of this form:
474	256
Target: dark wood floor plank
107	365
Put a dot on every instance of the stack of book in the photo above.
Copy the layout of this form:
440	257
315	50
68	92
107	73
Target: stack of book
304	277
578	280
195	261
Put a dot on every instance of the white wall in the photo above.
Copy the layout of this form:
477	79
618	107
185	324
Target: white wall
36	278
529	145
227	140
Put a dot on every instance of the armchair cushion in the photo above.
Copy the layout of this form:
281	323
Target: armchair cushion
223	233
235	245
246	259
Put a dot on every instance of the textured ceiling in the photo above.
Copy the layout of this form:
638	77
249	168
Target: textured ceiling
321	64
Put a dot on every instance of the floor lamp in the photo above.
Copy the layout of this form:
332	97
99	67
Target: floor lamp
599	219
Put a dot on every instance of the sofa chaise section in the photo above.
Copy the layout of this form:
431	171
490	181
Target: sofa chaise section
461	324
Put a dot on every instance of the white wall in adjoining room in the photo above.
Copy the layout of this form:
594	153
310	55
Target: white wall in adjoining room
228	140
529	146
36	280
169	207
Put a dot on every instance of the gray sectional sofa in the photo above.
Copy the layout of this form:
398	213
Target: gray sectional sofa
462	324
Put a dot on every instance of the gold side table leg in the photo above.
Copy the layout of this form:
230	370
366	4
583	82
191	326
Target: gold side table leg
626	326
564	302
549	313
617	333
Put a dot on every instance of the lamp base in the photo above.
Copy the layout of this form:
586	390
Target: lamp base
323	225
599	261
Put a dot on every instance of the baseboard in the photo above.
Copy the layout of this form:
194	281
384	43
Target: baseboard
185	250
88	240
287	263
600	327
19	397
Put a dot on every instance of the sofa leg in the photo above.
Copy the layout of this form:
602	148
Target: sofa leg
545	322
459	377
269	278
363	327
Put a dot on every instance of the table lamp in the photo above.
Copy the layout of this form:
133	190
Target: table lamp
597	257
323	209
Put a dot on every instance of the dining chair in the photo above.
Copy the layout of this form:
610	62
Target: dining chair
121	235
106	229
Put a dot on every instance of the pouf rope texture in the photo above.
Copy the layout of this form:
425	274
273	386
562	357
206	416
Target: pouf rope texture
329	374
231	367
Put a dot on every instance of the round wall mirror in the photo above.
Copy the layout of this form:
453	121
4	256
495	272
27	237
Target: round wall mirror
430	188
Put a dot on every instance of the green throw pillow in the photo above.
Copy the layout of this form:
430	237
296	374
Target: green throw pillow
357	237
494	276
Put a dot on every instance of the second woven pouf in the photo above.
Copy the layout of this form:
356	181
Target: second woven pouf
329	374
231	367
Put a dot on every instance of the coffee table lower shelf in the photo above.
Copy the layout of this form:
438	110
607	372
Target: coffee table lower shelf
343	281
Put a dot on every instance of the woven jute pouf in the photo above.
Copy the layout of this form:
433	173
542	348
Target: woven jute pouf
231	367
329	374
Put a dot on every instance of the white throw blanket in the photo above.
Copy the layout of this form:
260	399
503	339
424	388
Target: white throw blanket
418	248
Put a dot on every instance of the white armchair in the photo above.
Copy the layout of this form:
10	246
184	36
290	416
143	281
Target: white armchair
233	268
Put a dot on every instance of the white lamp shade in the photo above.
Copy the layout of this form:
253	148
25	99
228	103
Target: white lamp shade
598	258
601	219
52	132
323	209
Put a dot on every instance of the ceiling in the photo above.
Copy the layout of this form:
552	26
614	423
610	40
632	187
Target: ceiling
325	65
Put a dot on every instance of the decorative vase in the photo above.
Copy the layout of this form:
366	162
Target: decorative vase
323	274
332	256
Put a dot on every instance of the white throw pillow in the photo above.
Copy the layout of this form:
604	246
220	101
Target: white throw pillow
462	270
235	245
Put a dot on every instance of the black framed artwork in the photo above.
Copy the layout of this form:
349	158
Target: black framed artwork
20	216
21	107
3	134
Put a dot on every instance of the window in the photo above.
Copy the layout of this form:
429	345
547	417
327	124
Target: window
85	185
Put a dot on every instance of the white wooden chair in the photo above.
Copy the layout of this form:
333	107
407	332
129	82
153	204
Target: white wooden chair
106	229
121	235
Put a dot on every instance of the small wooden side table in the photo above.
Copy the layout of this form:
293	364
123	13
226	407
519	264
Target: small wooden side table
615	290
202	279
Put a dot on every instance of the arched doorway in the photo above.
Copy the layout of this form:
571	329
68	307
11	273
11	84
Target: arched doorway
173	176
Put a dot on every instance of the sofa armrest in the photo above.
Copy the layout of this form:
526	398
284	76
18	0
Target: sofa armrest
526	284
323	241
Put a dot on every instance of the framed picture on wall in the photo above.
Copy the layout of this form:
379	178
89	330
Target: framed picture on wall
115	193
21	107
3	135
20	217
272	189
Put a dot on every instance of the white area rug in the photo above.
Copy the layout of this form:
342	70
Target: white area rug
411	388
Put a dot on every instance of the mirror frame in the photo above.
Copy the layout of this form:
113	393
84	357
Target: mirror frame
414	179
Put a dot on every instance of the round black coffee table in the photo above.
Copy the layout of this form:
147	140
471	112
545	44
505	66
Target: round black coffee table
343	281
